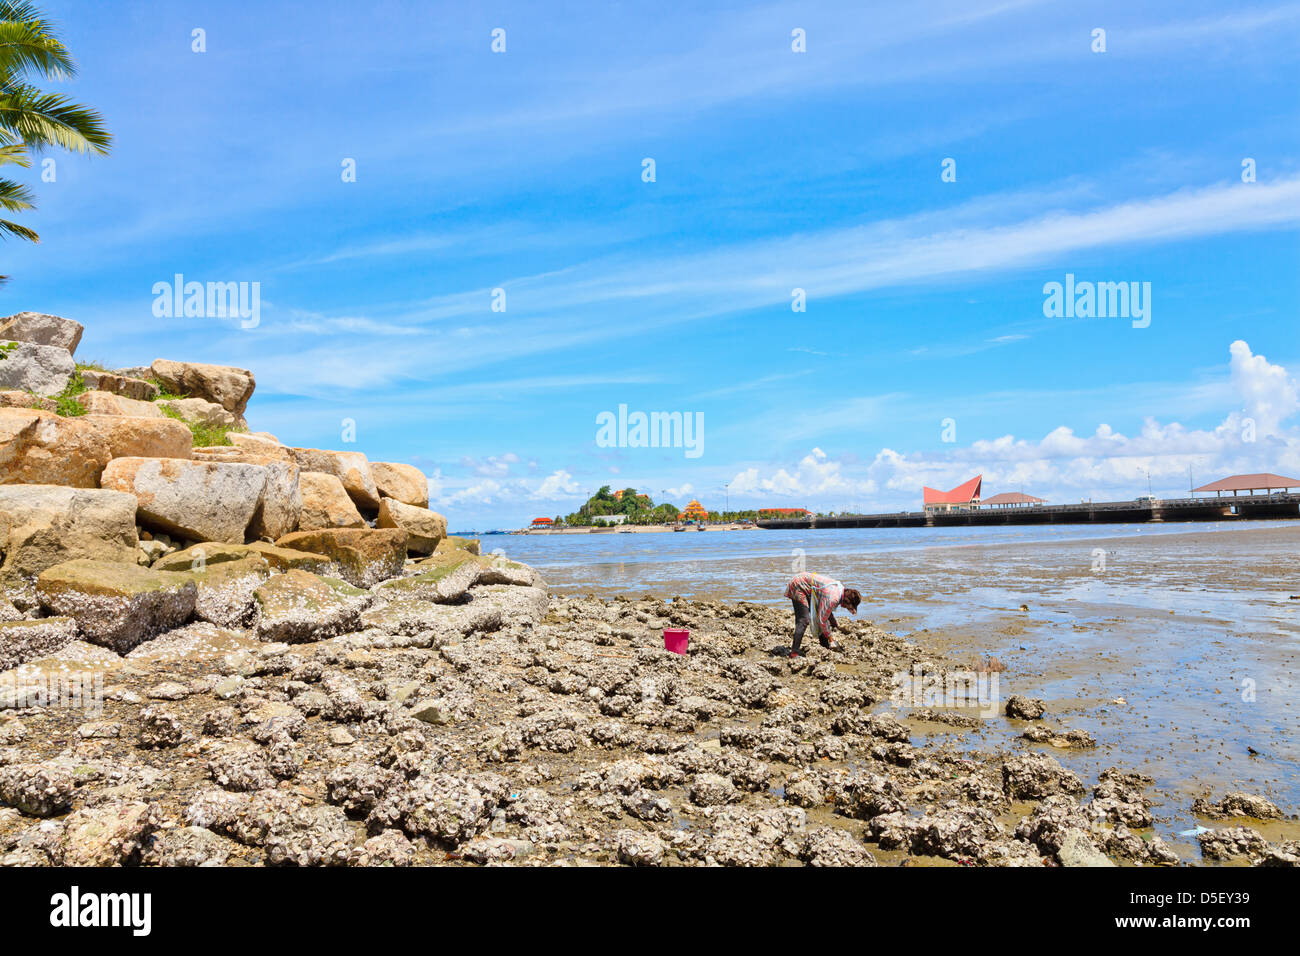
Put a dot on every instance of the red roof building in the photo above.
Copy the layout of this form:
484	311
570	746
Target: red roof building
965	496
543	522
1012	499
1261	481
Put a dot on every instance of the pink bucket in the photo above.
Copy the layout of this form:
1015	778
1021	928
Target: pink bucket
676	641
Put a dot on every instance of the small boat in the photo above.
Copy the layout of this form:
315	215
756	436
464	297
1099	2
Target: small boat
678	527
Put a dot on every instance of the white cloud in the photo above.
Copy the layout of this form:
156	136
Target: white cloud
816	476
569	307
496	466
1270	396
557	484
1063	466
557	487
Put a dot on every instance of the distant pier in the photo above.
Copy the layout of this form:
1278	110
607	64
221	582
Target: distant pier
1242	507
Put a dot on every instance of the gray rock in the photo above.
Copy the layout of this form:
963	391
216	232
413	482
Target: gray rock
298	606
43	369
1025	708
42	329
191	846
45	525
134	388
1077	849
638	848
37	789
203	501
1238	804
22	641
116	605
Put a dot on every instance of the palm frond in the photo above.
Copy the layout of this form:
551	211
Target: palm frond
8	228
25	50
15	155
50	119
15	196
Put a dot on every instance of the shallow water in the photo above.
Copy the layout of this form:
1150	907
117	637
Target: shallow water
1174	644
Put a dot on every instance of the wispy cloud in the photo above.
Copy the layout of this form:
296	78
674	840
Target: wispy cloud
563	308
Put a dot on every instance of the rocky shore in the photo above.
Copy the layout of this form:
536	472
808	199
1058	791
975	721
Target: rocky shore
481	722
249	653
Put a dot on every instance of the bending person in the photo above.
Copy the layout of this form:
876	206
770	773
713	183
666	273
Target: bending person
815	598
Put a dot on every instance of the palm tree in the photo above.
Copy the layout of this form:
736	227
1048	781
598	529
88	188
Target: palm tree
31	119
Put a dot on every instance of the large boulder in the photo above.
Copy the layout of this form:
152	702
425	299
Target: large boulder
404	483
498	569
117	605
453	543
45	525
350	467
278	512
42	329
290	559
516	605
225	385
143	437
124	385
435	623
225	590
43	369
109	834
205	501
13	398
442	579
200	411
297	606
23	641
325	503
361	556
106	403
254	442
204	555
424	528
42	448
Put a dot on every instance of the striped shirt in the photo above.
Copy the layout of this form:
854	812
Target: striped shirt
820	594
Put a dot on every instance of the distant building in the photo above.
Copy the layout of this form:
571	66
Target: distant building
1012	499
1263	481
784	513
609	519
694	512
618	496
543	522
965	497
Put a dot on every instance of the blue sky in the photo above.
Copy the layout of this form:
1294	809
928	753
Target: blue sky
774	170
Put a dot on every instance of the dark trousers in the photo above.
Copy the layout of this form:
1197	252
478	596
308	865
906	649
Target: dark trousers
801	621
